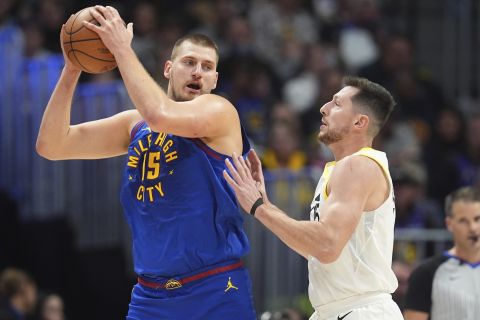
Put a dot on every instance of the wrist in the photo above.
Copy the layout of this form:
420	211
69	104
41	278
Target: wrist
259	202
71	71
123	52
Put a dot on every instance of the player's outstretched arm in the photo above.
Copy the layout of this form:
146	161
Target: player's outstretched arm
206	116
350	186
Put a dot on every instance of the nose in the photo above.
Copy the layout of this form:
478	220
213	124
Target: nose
324	109
197	71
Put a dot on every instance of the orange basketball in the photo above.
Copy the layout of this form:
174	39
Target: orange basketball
83	47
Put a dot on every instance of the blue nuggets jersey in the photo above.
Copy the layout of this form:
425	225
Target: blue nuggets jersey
182	213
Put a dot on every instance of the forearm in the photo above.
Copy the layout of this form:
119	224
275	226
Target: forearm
147	96
56	118
308	238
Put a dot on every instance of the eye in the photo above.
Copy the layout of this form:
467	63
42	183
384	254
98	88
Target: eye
189	62
207	67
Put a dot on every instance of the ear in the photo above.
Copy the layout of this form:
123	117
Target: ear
167	69
216	80
448	223
362	121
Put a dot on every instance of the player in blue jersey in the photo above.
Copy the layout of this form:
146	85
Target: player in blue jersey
186	226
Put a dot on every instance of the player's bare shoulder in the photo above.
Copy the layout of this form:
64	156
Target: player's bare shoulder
216	103
356	173
218	112
357	166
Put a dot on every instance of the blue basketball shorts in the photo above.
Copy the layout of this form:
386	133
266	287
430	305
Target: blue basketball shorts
225	295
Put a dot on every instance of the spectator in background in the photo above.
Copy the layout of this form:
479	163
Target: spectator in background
446	287
34	41
251	89
468	164
417	96
238	39
446	143
51	15
280	41
412	208
400	142
302	91
18	294
51	307
284	148
144	44
359	33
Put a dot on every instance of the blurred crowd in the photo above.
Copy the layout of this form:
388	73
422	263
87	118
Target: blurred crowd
21	300
280	61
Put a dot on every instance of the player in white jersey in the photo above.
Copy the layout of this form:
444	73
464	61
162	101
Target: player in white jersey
349	239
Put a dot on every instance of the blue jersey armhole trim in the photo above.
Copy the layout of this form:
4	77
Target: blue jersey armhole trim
220	156
209	151
136	128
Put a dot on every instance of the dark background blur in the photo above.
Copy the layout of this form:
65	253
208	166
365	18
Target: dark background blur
280	62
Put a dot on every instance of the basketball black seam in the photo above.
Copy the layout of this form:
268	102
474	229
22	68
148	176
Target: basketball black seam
73	32
74	50
81	40
73	22
71	46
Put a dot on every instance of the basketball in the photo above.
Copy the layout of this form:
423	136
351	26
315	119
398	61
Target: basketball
83	47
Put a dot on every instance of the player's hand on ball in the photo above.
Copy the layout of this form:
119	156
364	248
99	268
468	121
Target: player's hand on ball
111	29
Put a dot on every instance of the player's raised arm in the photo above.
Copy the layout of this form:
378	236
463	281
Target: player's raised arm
186	109
58	139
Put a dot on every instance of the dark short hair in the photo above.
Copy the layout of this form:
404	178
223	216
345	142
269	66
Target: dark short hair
373	99
467	194
12	282
198	39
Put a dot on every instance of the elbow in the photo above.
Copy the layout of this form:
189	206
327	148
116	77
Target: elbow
328	252
45	151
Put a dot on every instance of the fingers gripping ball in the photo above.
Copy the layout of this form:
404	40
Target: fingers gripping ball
83	47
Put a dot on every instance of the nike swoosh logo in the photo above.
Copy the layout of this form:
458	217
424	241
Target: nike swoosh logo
346	314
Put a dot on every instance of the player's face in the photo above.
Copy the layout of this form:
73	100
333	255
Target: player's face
464	224
338	116
192	73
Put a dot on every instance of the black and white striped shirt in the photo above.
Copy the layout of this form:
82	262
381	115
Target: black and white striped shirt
446	287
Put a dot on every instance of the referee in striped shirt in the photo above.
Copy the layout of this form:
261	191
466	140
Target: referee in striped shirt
447	287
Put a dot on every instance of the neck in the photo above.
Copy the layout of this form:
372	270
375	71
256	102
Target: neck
470	256
344	148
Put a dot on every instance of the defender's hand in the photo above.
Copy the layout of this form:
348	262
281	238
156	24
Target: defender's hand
241	181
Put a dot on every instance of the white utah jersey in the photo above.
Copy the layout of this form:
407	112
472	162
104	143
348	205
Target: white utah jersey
365	263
